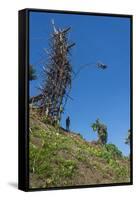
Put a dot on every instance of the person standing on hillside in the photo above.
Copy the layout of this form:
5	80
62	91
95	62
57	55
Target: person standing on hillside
67	123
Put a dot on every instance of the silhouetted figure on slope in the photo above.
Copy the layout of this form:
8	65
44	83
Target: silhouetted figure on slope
67	123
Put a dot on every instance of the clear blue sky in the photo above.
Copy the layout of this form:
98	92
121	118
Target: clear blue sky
96	93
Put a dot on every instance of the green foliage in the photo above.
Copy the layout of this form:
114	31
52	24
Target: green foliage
61	159
81	136
43	160
94	127
32	73
112	148
45	119
127	140
101	130
68	167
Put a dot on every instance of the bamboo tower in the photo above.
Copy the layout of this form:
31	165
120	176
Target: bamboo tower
57	75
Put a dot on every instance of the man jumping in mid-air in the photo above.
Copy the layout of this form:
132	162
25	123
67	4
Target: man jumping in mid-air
67	123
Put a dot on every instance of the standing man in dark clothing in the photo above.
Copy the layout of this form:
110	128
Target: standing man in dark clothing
67	123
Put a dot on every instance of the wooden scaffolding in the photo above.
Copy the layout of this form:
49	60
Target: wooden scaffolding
57	76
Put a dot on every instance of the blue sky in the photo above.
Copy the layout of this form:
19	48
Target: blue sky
103	94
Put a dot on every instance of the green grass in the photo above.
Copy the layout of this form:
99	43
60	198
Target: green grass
58	159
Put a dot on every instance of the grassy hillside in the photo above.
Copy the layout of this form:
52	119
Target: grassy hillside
59	158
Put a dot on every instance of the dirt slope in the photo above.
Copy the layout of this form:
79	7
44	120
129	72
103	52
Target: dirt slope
59	158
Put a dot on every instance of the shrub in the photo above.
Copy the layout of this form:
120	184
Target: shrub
113	150
46	120
101	130
127	139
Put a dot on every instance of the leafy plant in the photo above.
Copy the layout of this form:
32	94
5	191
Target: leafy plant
101	130
32	73
127	139
112	148
60	159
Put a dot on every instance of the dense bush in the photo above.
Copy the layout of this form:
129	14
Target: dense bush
113	150
101	130
127	139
